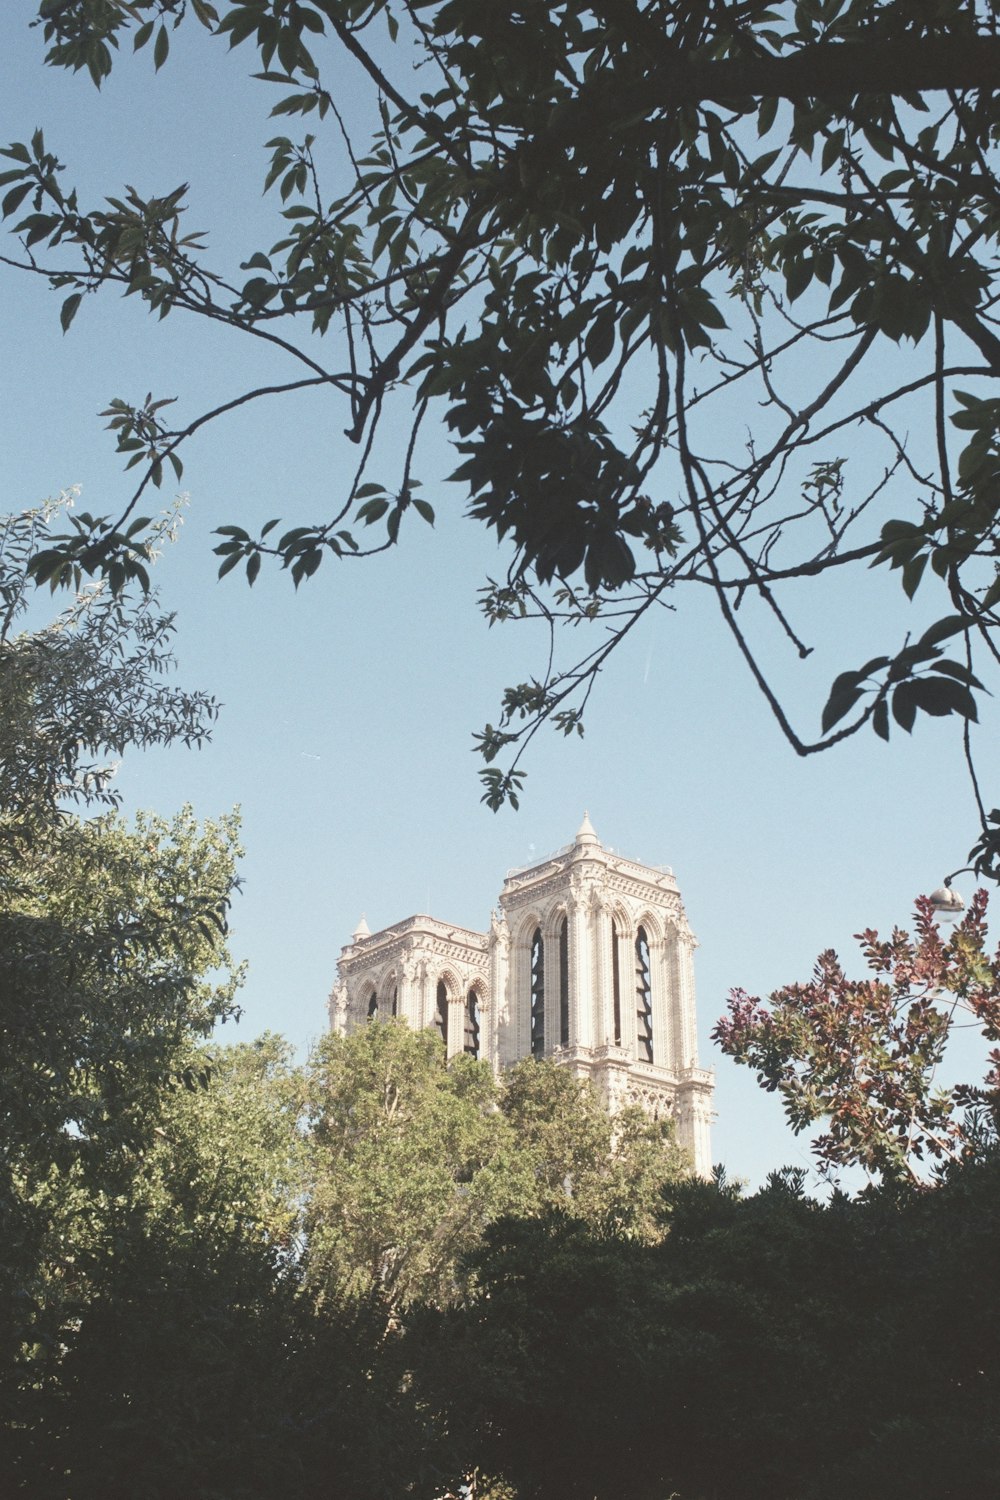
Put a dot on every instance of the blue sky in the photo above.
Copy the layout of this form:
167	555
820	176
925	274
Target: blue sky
348	708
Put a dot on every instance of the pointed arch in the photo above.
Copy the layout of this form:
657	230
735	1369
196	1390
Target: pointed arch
553	920
652	923
368	1001
451	982
526	928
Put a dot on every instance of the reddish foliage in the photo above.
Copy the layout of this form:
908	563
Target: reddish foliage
863	1054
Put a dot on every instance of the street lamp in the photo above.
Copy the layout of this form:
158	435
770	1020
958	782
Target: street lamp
947	903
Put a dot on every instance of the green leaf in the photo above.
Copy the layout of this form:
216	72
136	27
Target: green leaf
959	671
372	511
841	700
880	719
904	704
913	571
942	629
600	339
766	114
161	48
68	310
13	200
798	275
942	696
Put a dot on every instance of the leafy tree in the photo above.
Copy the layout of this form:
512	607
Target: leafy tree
607	1171
79	692
413	1157
178	1300
593	235
410	1161
769	1348
863	1055
113	957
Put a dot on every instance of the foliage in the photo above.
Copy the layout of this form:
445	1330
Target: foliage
169	1294
107	943
413	1157
410	1162
863	1055
596	235
113	964
89	684
608	1172
769	1348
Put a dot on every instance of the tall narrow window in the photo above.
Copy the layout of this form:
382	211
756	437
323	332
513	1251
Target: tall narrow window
616	982
564	983
471	1046
394	1001
643	999
441	1013
372	1006
537	994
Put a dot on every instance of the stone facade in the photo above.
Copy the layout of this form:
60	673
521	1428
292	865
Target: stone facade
588	961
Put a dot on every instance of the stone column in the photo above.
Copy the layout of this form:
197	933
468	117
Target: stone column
550	970
519	995
581	967
500	1043
456	1024
685	1022
408	1000
337	1007
602	1006
627	979
694	1118
659	983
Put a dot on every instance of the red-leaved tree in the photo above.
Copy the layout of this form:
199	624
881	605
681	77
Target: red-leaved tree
864	1054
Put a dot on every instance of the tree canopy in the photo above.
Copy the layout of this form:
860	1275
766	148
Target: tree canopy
864	1056
703	294
413	1157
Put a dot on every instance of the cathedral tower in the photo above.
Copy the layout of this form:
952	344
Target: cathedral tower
588	962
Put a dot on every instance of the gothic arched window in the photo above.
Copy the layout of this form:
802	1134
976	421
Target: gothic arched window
537	993
372	1006
564	983
394	1001
471	1039
616	982
643	999
441	1013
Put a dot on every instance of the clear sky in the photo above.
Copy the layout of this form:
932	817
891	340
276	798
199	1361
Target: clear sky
345	735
